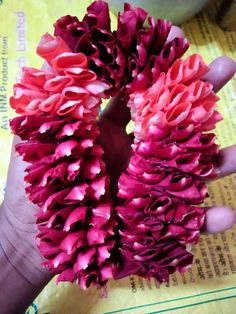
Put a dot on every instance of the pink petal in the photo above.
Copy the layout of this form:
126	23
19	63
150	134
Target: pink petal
100	214
98	187
51	104
77	193
50	47
81	75
72	241
84	259
76	215
67	60
96	236
106	273
57	83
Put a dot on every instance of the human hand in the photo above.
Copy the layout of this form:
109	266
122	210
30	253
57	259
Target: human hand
22	275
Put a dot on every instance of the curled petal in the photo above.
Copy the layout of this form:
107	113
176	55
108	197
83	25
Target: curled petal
50	47
35	78
78	214
23	96
51	104
98	15
69	59
96	236
77	193
73	241
83	75
57	83
100	214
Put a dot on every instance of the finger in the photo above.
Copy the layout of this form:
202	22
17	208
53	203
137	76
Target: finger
221	71
219	219
175	32
15	186
226	162
16	165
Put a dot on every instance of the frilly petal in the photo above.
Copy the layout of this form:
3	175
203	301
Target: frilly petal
50	47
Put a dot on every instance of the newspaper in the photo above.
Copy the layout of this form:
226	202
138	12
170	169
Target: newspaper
210	285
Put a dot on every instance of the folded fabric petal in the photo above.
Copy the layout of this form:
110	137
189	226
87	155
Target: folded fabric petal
50	47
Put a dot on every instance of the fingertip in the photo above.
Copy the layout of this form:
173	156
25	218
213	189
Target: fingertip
219	219
225	162
175	32
222	69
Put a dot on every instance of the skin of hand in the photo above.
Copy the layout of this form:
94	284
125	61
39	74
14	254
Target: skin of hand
18	253
22	276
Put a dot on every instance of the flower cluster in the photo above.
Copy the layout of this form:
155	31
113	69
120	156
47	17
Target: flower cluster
171	153
67	88
148	49
80	234
93	37
131	56
67	177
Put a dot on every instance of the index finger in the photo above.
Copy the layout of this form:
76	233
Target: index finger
221	71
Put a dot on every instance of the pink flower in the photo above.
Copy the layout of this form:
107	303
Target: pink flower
70	89
93	37
176	98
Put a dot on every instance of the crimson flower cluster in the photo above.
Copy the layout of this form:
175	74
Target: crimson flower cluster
170	155
67	176
130	56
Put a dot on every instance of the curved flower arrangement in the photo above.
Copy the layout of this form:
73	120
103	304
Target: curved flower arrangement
84	237
170	155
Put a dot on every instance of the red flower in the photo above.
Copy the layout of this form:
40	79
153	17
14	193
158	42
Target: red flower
171	153
93	37
132	54
147	48
67	179
151	260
